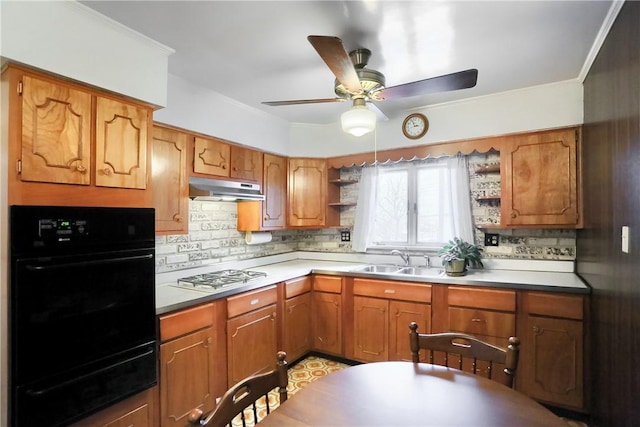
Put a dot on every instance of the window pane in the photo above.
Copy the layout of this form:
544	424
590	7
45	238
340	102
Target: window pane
391	207
433	205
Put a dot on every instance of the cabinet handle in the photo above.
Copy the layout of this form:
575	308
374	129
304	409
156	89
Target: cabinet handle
536	329
255	301
514	215
80	168
389	291
106	171
177	218
475	319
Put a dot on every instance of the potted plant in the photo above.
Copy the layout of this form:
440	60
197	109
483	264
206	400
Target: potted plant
457	254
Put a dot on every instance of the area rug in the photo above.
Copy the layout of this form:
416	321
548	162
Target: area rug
302	373
306	371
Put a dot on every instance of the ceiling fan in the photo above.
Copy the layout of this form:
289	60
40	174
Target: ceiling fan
359	84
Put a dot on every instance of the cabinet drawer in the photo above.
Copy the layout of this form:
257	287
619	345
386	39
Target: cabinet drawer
250	301
547	304
392	290
182	322
298	286
332	284
490	299
482	322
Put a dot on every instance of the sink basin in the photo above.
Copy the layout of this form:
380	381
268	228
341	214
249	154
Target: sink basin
420	271
378	269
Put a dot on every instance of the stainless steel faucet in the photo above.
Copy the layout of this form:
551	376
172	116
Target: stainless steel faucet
405	257
427	261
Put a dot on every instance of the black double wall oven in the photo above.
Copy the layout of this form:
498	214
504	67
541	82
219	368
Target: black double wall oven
82	310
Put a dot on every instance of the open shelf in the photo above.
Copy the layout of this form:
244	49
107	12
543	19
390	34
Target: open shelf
492	168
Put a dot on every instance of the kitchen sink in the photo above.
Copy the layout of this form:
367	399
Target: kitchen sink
387	269
420	271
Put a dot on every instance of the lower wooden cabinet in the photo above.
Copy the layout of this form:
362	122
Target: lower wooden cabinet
327	314
382	313
297	318
188	353
251	333
552	356
137	411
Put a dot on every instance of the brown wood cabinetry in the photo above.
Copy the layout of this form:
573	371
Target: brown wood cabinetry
213	156
269	214
297	317
327	314
251	333
66	133
488	314
138	411
188	359
383	311
552	358
540	180
170	180
307	192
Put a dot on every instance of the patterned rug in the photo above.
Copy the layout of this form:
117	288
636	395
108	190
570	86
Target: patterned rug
302	373
306	371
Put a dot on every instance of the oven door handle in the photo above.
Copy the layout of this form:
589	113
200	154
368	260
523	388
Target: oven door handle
36	393
88	263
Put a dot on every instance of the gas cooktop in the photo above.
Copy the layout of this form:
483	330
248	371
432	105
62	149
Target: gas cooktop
216	281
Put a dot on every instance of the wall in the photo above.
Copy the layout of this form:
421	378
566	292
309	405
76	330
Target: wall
611	155
71	40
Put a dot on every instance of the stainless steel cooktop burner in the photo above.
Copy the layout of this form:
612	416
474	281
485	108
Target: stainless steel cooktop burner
211	282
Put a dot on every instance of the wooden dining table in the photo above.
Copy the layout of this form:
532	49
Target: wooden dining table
409	394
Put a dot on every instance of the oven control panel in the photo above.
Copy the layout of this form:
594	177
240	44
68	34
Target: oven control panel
62	228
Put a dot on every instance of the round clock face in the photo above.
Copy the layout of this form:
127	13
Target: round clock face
415	126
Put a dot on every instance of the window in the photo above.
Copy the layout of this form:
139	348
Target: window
418	204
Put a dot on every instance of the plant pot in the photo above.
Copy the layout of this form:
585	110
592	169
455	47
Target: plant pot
455	268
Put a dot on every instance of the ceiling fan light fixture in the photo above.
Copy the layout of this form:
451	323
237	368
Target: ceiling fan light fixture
359	120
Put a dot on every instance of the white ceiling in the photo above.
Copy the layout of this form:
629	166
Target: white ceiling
254	51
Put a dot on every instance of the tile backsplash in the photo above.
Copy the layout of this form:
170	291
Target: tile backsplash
213	237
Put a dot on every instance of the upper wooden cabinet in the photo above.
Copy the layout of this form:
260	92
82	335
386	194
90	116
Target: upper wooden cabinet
121	144
61	132
212	156
56	133
540	180
307	192
246	164
269	214
170	180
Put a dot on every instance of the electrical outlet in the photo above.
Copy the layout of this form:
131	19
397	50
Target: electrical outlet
345	236
491	239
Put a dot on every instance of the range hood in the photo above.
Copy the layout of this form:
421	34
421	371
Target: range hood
220	190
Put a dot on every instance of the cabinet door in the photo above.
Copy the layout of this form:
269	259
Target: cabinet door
327	322
401	314
246	164
539	184
137	411
187	376
551	361
56	133
297	326
211	156
371	326
307	192
170	186
121	144
275	191
251	343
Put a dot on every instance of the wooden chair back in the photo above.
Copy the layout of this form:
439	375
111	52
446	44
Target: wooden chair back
245	394
466	346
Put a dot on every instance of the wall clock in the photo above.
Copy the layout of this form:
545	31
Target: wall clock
415	126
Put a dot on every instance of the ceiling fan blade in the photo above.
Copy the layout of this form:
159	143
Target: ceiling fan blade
454	81
303	101
332	52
